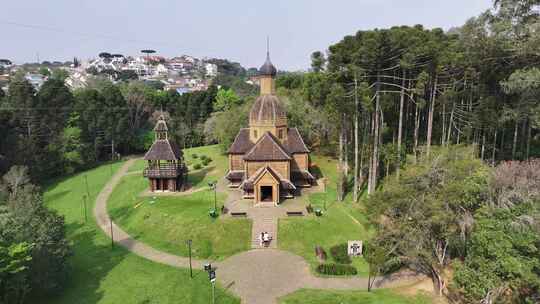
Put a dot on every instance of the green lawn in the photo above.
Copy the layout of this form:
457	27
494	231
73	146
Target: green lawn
381	296
342	221
101	275
166	222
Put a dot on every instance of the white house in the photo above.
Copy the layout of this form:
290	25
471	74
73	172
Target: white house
211	69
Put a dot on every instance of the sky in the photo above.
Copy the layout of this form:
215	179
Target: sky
232	29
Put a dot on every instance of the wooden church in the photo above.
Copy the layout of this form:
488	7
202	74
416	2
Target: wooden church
166	170
268	160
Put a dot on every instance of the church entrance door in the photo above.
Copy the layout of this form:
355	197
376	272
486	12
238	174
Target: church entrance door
267	194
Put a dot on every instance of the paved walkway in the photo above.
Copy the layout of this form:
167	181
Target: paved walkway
258	276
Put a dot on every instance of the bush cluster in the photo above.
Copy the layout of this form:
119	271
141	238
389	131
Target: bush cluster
339	253
336	269
197	166
205	160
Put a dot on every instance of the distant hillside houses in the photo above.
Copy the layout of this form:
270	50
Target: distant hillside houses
182	73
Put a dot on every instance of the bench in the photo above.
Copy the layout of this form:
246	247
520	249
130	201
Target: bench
295	213
238	214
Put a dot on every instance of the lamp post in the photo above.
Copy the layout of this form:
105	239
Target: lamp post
212	279
212	185
189	242
325	193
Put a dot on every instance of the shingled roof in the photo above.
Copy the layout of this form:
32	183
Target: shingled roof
163	149
284	183
241	143
293	144
267	148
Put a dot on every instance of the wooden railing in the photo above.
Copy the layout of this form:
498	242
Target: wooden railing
164	171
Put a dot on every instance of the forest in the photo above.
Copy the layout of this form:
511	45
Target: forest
438	132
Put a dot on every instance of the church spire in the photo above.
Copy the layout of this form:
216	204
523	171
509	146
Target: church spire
268	48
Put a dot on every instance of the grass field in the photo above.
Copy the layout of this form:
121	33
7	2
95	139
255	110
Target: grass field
166	222
342	221
102	275
382	296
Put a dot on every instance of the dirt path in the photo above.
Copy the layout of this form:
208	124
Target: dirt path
258	276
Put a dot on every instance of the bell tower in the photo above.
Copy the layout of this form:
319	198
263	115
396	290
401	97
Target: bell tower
161	129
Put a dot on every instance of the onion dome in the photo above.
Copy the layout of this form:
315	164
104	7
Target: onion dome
268	69
267	109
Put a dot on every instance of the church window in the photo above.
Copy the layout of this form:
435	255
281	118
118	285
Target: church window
280	134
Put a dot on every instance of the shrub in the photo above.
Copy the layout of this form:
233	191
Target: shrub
340	255
197	166
336	269
194	155
203	157
205	162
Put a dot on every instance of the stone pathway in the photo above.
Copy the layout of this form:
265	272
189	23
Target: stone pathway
257	276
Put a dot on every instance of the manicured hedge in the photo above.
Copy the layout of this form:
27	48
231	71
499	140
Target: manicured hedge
336	269
340	255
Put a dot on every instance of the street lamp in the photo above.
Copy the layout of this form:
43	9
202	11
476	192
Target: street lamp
188	243
325	193
211	278
212	186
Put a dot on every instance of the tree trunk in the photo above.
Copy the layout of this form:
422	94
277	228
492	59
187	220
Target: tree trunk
528	149
370	166
375	158
400	126
416	130
483	145
430	117
340	163
514	144
501	150
450	123
345	146
356	137
494	149
443	135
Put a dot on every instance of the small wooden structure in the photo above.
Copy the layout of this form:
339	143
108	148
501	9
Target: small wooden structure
166	170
